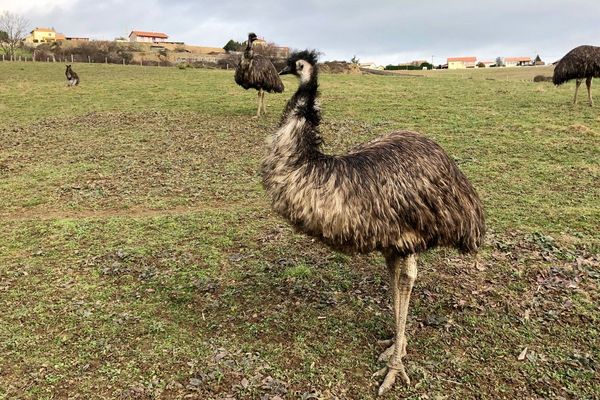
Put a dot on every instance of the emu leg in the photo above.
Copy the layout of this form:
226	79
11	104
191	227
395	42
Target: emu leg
259	104
403	273
588	83
577	84
264	105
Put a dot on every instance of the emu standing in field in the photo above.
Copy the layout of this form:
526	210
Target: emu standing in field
581	62
400	194
72	77
257	72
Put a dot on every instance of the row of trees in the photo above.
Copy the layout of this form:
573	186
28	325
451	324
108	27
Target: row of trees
96	51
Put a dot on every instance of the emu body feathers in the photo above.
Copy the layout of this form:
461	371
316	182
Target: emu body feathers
258	73
583	62
399	192
580	63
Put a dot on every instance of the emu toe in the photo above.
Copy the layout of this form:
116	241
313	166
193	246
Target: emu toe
391	372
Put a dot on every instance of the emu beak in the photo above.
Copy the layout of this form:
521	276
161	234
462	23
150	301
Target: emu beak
285	71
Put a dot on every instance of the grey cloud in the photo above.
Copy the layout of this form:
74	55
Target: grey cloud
341	29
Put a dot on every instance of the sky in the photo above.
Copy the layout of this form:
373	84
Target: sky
382	31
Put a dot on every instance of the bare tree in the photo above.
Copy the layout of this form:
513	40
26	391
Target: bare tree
14	27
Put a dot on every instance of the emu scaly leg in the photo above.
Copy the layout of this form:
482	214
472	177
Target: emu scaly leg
588	83
259	104
577	84
264	105
403	272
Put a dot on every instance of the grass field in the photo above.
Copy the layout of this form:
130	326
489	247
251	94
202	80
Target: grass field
139	258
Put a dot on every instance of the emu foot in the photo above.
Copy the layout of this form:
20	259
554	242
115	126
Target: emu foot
394	366
391	372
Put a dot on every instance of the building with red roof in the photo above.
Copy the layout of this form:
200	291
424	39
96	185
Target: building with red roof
148	37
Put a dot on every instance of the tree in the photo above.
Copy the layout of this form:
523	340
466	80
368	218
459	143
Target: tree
232	45
499	61
14	29
354	60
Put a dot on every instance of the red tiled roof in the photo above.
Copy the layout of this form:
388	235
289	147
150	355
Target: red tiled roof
517	59
465	59
150	34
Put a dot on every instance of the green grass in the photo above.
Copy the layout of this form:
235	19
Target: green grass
139	257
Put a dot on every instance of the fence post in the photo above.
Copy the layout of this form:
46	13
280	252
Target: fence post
89	60
123	61
71	58
105	60
47	59
2	57
141	61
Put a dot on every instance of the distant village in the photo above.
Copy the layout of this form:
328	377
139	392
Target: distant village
178	51
146	47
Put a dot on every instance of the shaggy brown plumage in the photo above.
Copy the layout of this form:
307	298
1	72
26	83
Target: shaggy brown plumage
580	63
257	72
583	62
72	77
400	194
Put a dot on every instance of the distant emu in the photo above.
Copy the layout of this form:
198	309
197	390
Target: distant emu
579	63
257	72
400	194
72	77
542	78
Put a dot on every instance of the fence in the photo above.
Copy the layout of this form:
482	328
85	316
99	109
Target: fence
87	59
221	61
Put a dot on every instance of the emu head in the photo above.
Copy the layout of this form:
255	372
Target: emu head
68	67
252	37
302	64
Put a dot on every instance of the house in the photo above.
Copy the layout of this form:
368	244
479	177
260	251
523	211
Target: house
368	65
41	35
461	62
517	61
148	37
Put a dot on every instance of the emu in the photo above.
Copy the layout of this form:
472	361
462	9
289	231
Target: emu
72	77
583	62
257	72
400	194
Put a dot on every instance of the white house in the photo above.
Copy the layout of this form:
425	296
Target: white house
461	62
517	61
148	37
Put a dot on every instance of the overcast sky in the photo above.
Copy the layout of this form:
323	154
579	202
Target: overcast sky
383	31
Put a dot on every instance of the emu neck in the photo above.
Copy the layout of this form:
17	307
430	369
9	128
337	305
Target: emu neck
303	104
298	137
248	53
